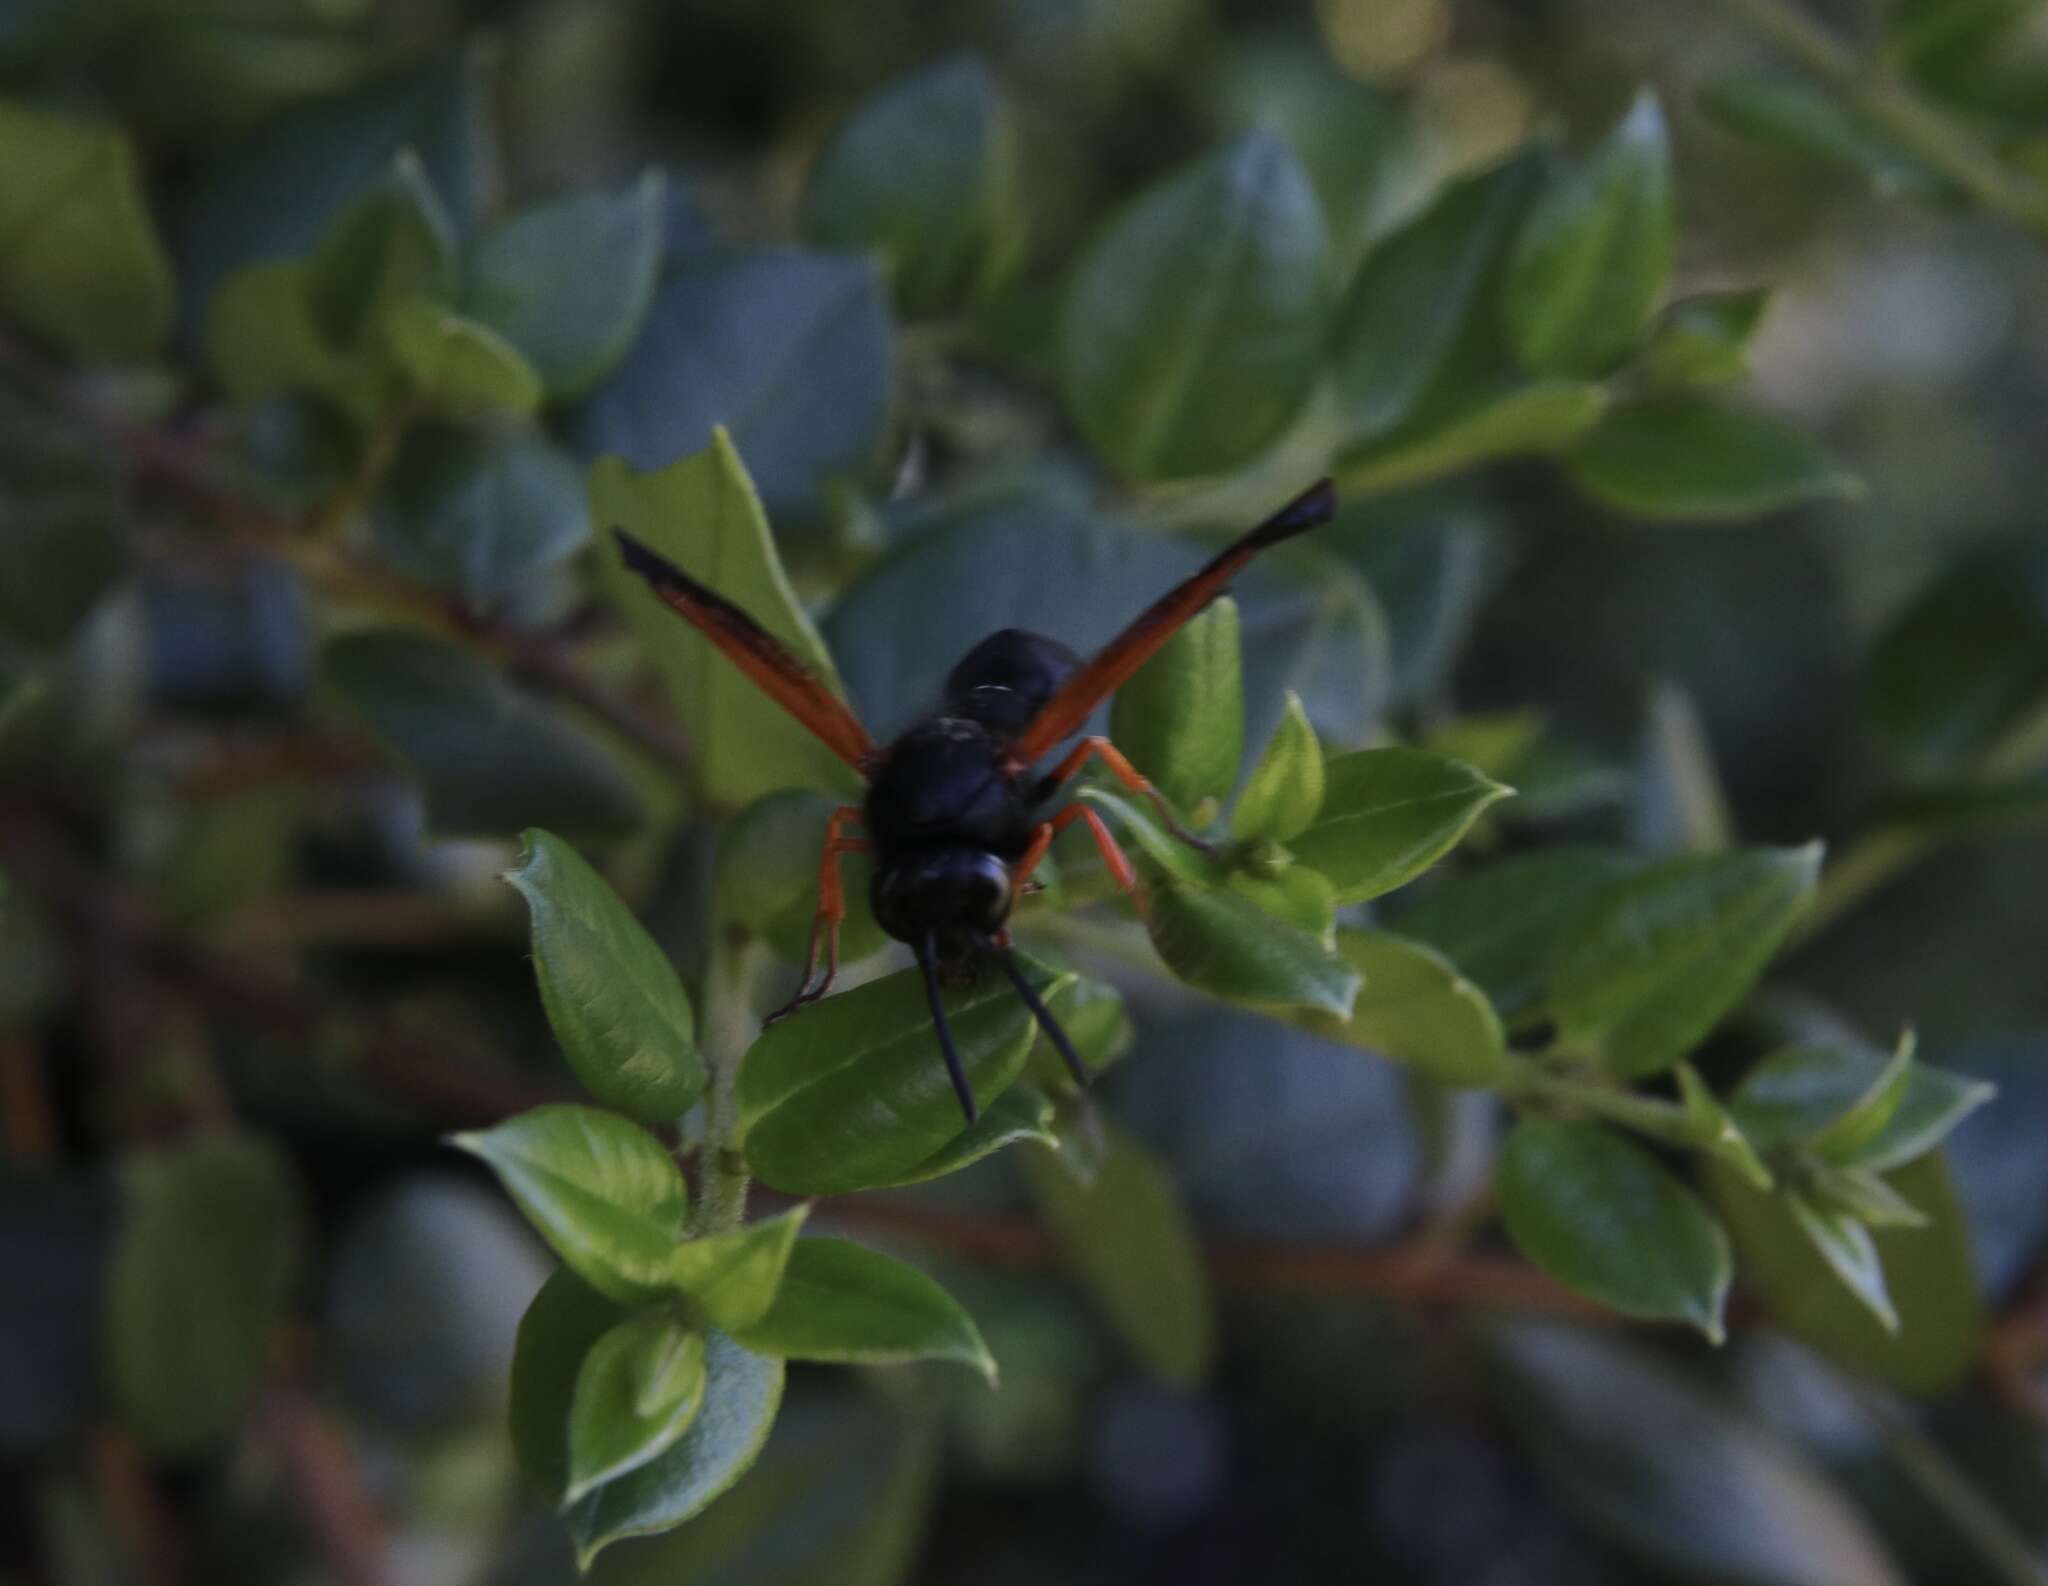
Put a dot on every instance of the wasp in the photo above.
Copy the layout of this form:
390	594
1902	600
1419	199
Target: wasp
957	813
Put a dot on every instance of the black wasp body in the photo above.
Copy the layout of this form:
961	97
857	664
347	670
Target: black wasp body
957	814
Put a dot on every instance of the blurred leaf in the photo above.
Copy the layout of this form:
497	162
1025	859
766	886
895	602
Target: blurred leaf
1488	425
732	1278
1935	1101
1130	1240
1679	806
1711	1128
853	1093
842	1302
789	351
768	876
1703	341
1232	949
613	999
1285	789
64	546
1859	1193
922	176
1852	1104
1500	923
457	364
393	243
1642	1455
82	263
561	1326
198	1281
1023	1112
1388	815
1851	1254
261	342
1298	895
492	761
601	1190
1789	110
479	511
1416	331
1181	719
1927	1271
1649	969
742	1392
702	513
569	283
1098	1022
1415	1008
1426	559
1686	459
1193	325
639	1388
1602	1216
1592	259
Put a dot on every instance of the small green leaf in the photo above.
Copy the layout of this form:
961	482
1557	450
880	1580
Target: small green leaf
640	1387
569	283
1285	789
601	1190
561	1326
731	1278
1859	1193
1591	262
1935	1101
261	341
1851	1254
457	364
1417	1009
853	1093
394	243
1789	110
1388	815
1181	719
1127	1234
923	176
1231	948
1701	342
1687	459
197	1282
1845	1138
1141	824
842	1302
614	1000
1652	967
703	515
742	1392
80	262
1023	1112
1823	1090
479	511
1712	1128
1679	805
1599	1214
1490	425
1193	327
1500	924
1298	895
491	760
767	876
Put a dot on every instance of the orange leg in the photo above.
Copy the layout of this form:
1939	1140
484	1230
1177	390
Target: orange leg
1131	778
1112	855
831	911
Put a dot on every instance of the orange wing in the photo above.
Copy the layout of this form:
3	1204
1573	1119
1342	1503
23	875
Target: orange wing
1062	715
755	651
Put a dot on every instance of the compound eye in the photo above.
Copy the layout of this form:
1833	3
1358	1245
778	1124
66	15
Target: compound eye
988	894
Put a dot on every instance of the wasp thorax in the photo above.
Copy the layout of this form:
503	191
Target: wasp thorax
943	892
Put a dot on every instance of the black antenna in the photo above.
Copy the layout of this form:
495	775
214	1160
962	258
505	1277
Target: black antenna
1039	1011
928	961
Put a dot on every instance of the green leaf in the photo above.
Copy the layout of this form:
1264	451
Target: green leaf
1710	1127
731	1278
1846	1137
1789	110
1649	970
1285	790
561	1326
1500	924
1592	259
1687	459
742	1392
1851	1254
80	263
767	872
1643	1455
1231	948
703	515
1531	420
1935	1101
639	1388
1598	1213
1098	1023
477	511
1927	1272
842	1302
601	1190
923	176
393	243
1142	826
1181	719
1858	1193
1416	330
457	364
1829	1095
1129	1238
491	760
853	1093
1023	1112
1679	805
1701	342
64	533
569	283
261	341
197	1283
1194	325
1417	1009
612	997
1298	895
1388	815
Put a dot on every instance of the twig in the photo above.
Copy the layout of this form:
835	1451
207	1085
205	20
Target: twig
328	1481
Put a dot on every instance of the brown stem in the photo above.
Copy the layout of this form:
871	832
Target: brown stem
328	1483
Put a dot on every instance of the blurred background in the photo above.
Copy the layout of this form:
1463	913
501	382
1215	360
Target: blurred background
220	899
